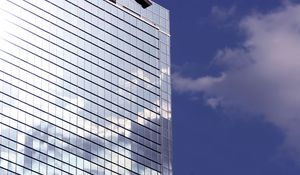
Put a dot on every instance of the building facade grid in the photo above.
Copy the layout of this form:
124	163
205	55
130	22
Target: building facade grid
84	88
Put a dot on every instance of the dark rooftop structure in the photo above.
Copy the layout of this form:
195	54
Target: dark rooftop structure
144	3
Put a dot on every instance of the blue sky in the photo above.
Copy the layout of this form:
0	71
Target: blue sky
235	73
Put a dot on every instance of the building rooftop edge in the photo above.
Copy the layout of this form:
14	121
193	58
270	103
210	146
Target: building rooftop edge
138	16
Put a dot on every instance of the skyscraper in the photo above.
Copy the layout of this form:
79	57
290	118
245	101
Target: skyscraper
85	87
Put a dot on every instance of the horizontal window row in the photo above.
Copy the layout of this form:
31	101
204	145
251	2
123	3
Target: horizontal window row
125	19
35	35
122	126
82	144
61	35
52	24
109	25
95	25
90	74
93	68
96	95
70	137
55	153
30	153
4	164
8	167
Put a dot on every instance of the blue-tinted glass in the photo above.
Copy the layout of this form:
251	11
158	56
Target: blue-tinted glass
84	88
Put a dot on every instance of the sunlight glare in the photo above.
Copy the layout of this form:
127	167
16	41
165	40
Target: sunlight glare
3	18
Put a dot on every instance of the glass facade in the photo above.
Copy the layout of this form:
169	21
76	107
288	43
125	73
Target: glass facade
84	88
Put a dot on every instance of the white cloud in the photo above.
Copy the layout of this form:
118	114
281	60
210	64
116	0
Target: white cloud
213	102
221	13
197	85
263	75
